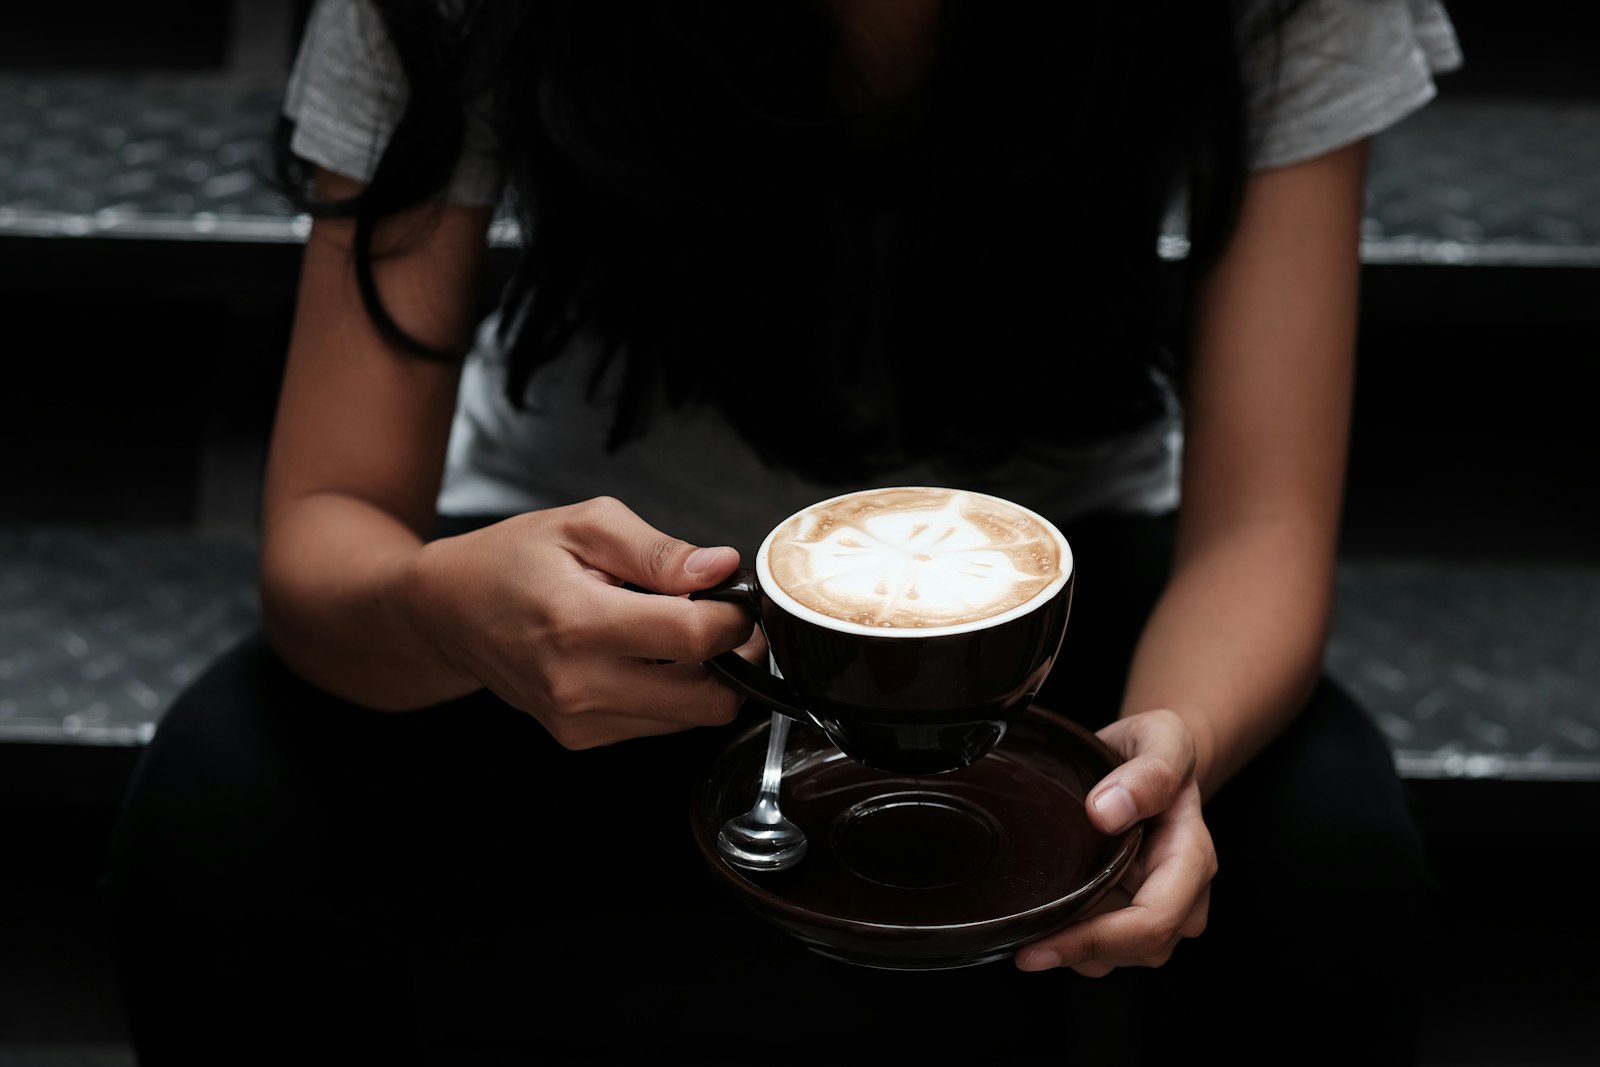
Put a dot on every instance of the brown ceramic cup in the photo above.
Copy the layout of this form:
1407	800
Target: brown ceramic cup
912	624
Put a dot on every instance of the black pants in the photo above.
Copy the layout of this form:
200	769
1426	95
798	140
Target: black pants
295	879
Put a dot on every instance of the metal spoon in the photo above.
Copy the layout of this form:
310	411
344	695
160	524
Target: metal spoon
762	839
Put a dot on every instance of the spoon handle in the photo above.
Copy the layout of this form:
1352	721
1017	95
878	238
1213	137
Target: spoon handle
772	773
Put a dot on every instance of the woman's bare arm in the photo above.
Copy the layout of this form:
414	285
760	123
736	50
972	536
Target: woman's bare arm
1237	639
535	607
357	451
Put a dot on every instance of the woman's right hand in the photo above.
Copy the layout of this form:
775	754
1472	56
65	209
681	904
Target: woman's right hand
359	601
535	609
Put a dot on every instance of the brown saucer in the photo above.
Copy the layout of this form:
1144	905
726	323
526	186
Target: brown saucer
916	873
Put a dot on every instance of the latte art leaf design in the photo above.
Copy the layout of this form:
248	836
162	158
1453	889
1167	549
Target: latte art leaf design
910	558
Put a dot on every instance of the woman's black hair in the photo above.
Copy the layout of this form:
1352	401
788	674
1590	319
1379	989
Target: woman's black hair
692	200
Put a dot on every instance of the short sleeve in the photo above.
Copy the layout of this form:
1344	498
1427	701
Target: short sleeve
1343	70
346	91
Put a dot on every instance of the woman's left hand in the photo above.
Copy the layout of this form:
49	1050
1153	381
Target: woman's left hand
1165	894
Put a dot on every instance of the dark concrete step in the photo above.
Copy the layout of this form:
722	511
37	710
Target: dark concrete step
1472	668
1466	180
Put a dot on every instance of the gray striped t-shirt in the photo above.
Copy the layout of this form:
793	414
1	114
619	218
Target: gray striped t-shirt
1346	69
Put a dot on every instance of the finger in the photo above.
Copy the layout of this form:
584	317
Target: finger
676	695
1117	897
1159	759
1157	954
649	626
1195	925
680	692
606	534
1171	904
1125	937
605	728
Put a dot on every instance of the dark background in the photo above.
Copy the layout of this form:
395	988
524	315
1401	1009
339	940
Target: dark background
131	365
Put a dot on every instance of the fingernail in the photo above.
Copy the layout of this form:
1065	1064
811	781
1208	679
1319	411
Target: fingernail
1041	960
1116	808
702	560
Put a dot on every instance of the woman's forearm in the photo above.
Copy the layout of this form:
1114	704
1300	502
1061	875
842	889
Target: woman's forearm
336	576
1236	641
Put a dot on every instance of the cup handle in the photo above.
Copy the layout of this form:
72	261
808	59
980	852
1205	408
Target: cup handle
742	587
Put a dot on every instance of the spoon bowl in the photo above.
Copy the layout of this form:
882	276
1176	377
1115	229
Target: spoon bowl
761	839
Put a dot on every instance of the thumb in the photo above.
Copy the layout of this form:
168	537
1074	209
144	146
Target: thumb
702	567
610	538
679	567
1159	758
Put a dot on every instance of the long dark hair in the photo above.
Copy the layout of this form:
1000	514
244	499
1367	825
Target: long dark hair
691	200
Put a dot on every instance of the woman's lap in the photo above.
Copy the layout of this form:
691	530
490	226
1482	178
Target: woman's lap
289	865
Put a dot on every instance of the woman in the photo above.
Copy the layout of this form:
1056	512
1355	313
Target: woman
754	241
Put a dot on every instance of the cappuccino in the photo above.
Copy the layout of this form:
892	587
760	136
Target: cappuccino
914	558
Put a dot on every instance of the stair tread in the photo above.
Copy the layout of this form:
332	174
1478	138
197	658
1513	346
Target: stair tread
1462	181
1472	669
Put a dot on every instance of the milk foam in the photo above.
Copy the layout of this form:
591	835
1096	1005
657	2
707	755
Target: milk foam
914	557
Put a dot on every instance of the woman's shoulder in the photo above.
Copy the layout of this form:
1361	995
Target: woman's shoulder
1339	70
342	93
346	91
